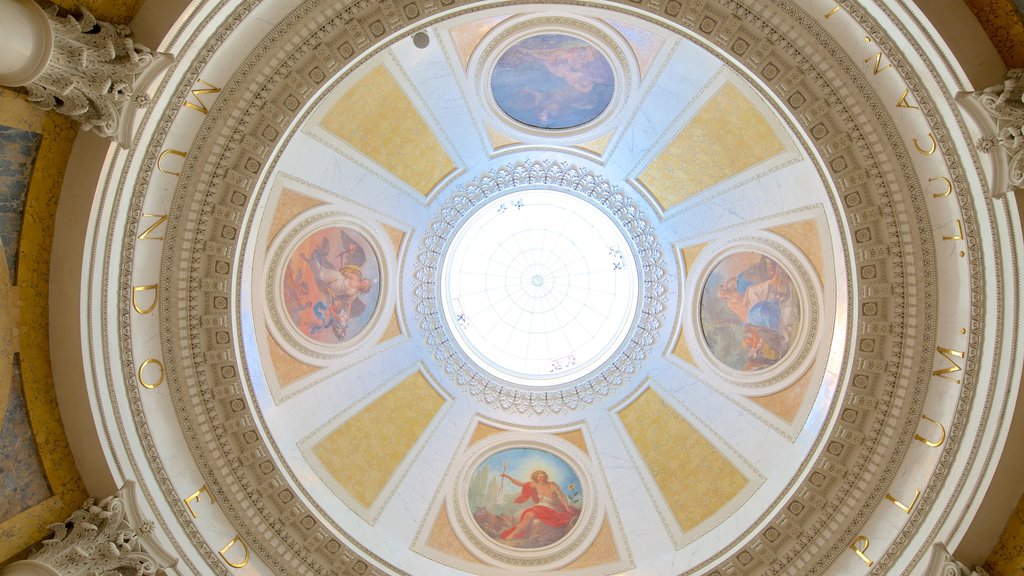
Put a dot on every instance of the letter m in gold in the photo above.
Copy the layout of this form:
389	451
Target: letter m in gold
949	354
198	92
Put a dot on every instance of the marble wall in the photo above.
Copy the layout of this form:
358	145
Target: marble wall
1007	558
40	482
1003	21
18	149
22	479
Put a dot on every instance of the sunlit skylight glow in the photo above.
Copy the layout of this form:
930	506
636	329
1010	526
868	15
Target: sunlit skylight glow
539	287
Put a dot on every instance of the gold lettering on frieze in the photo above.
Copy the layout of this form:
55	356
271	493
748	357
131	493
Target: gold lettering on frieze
197	92
160	160
959	232
949	186
877	58
136	290
151	384
927	442
878	63
904	103
223	553
833	11
147	233
929	151
860	546
195	498
949	354
901	505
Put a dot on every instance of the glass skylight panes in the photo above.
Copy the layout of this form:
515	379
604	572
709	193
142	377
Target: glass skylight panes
539	287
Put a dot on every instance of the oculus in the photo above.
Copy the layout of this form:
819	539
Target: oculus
552	81
749	311
610	221
539	287
331	285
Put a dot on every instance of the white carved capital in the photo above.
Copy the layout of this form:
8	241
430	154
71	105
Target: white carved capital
89	70
1004	104
943	564
105	538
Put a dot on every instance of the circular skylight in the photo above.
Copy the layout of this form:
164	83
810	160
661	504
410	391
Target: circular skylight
539	287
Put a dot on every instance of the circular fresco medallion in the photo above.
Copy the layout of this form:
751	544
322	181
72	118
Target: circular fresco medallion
539	287
330	286
750	313
552	81
525	498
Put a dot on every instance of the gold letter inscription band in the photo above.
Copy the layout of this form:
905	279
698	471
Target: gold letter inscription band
949	186
160	159
159	381
901	505
195	498
161	218
927	442
235	540
860	550
136	290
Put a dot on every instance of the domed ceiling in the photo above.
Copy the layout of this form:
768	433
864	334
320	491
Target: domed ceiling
482	288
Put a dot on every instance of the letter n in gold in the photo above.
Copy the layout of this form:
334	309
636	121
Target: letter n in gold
147	234
197	92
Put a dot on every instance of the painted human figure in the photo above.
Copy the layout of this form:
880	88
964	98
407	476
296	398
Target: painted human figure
342	284
550	505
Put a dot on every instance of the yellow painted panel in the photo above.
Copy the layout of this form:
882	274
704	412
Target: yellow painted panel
483	431
690	254
377	118
396	236
288	368
599	145
289	205
575	437
443	539
363	452
725	137
786	403
682	350
499	140
467	36
694	477
393	330
602	551
807	238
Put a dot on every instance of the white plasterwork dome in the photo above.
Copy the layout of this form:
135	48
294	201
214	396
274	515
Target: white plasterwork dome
645	288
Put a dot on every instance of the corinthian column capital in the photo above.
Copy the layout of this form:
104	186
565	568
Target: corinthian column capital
943	564
89	70
104	537
1004	105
